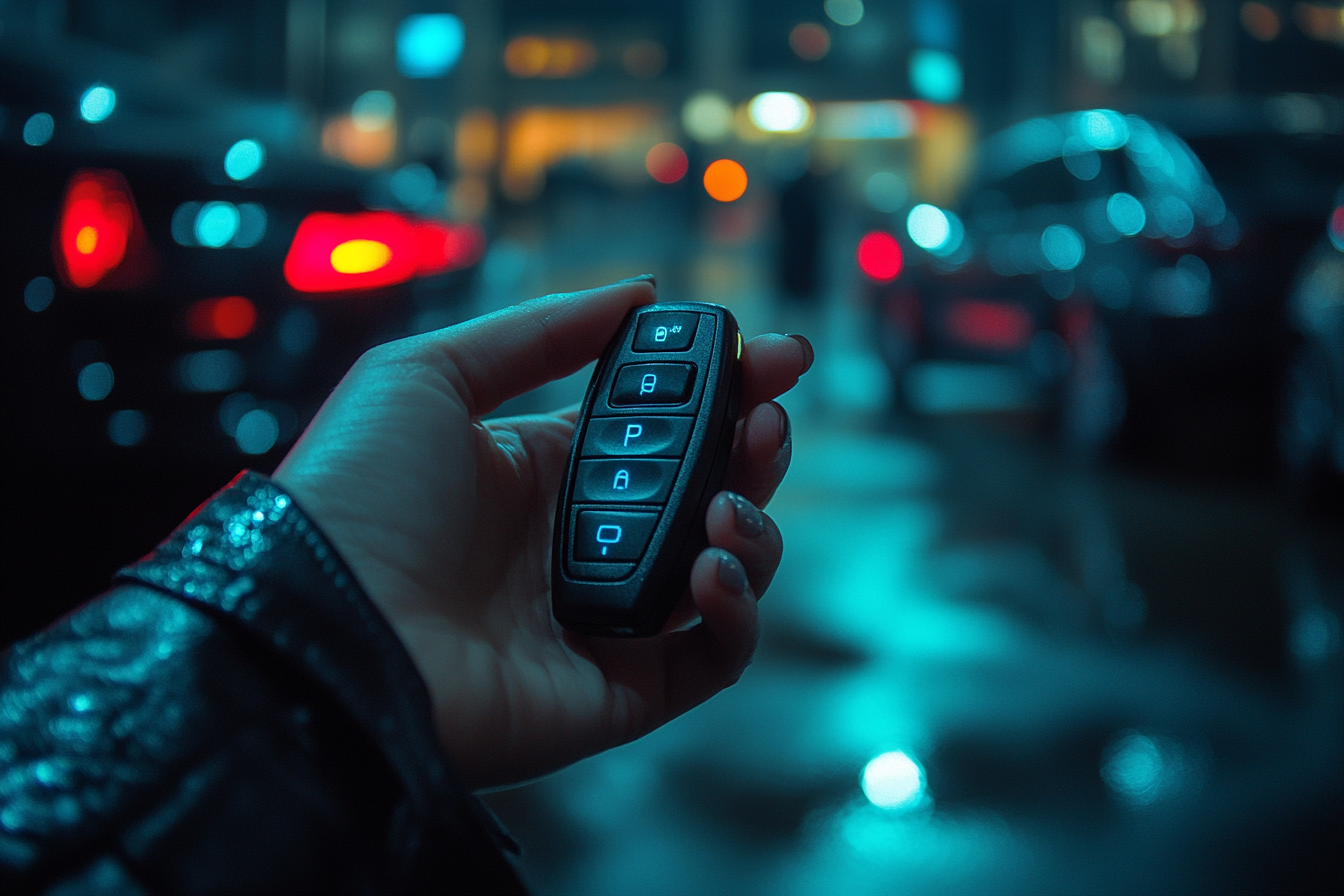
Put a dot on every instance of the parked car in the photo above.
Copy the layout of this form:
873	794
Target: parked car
1095	272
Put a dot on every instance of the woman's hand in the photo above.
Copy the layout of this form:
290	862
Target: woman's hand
446	520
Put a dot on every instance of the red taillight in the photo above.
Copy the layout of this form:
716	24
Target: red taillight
230	317
989	324
100	233
879	256
335	253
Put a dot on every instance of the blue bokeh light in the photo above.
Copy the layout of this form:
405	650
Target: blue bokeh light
1062	246
38	129
429	45
935	75
1126	214
97	103
893	780
216	224
244	159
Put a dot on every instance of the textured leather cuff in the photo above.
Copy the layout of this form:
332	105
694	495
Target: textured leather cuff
251	554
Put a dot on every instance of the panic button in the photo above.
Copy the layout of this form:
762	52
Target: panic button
665	331
638	384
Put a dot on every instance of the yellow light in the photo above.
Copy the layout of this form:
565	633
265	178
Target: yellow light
86	240
739	345
525	57
360	256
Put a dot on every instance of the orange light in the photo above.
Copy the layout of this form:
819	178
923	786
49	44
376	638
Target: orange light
531	56
725	180
879	256
230	317
98	230
337	253
365	148
810	41
666	163
538	137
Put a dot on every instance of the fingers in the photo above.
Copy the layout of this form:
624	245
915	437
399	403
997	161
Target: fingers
761	458
709	657
771	366
500	355
738	527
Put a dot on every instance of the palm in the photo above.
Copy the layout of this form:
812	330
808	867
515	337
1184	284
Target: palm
447	522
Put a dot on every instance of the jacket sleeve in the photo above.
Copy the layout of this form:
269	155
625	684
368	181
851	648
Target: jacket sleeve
235	716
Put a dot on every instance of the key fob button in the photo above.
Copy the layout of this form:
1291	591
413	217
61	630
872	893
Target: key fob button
641	384
665	331
632	481
611	536
637	436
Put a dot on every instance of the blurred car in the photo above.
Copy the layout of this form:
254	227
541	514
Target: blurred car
1311	433
182	299
1095	273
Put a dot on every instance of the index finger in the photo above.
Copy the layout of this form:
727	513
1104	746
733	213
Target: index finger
497	356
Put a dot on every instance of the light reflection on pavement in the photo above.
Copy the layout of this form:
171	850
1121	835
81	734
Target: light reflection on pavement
961	594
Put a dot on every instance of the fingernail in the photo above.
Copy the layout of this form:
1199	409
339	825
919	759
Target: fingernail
731	574
809	354
649	277
749	521
784	428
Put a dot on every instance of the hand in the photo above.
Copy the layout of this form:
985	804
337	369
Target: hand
446	520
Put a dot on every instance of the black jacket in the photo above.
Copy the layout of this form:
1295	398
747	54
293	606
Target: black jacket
235	716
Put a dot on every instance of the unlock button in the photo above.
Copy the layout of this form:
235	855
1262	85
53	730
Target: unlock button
650	384
630	480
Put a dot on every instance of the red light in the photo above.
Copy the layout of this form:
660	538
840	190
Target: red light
98	231
989	324
230	317
880	256
334	253
1337	225
666	163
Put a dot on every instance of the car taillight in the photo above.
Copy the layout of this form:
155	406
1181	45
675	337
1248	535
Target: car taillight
336	253
989	324
100	240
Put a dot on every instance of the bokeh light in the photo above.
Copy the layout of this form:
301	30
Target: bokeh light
810	41
257	431
38	129
886	191
373	110
1126	214
879	256
97	103
779	112
725	180
429	44
1062	246
707	117
935	75
666	163
844	12
928	226
216	224
244	159
893	780
39	294
95	381
127	428
228	317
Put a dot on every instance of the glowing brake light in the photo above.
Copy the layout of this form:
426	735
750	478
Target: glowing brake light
99	231
990	325
336	253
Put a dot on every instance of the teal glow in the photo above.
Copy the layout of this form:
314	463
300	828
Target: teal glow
935	75
95	381
1102	128
893	780
429	45
1062	246
928	226
1126	214
216	224
244	159
97	103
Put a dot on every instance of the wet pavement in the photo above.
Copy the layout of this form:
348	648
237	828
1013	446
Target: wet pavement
986	666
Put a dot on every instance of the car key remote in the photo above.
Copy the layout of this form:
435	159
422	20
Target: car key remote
650	451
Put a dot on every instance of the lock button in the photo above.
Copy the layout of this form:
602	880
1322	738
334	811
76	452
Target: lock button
653	384
628	480
665	331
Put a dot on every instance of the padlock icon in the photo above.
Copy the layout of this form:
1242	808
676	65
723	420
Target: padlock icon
621	481
660	334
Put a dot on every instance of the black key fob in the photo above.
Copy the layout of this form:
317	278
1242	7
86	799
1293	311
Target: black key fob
650	451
